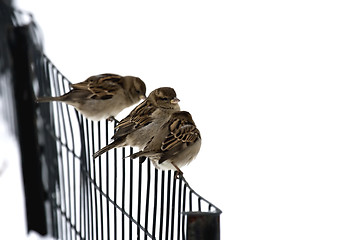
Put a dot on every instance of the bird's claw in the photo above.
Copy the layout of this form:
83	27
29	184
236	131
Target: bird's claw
111	118
178	174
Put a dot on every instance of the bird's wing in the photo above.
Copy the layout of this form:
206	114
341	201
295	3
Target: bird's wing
101	87
181	135
138	118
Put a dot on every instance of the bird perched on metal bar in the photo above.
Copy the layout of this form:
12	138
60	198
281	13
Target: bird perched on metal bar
144	121
175	145
102	96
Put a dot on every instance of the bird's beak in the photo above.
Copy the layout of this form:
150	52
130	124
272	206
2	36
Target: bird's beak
142	97
175	100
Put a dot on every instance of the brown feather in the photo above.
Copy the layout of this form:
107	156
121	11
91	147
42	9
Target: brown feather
186	133
138	117
101	87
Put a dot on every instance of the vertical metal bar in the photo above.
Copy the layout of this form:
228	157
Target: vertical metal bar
100	185
168	204
95	193
139	200
173	208
84	196
199	203
179	209
115	190
147	196
190	201
155	201
131	194
90	200
183	210
68	193
107	181
82	206
86	206
162	205
123	195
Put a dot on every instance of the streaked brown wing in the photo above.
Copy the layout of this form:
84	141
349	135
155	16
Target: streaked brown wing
178	140
102	86
187	134
138	118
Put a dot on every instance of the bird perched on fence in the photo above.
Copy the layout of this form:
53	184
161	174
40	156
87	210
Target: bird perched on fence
144	121
176	144
102	96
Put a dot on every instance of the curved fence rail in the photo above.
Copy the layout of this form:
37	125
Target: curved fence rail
112	197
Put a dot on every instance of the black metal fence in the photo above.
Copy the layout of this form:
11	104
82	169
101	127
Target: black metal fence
108	198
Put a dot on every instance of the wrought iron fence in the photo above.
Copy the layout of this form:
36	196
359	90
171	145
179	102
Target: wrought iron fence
108	198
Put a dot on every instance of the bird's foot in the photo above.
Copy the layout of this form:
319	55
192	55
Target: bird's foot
178	174
111	118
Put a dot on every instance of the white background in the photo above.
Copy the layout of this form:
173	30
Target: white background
272	85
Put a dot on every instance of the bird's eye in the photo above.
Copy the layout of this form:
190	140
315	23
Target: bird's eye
164	99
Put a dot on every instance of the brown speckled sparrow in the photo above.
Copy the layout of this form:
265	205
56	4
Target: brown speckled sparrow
102	96
176	144
144	121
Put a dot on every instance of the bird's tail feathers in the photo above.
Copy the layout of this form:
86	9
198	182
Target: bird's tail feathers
105	149
136	155
141	155
47	99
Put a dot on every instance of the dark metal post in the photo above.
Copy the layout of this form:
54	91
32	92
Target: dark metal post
19	43
203	225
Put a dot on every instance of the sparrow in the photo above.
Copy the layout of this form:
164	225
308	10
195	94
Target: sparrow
102	96
144	121
175	145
